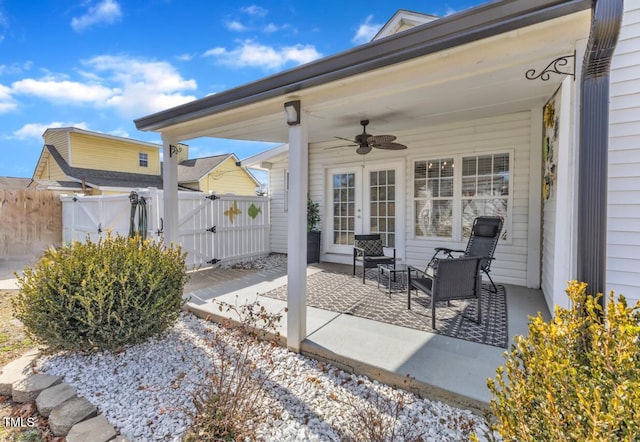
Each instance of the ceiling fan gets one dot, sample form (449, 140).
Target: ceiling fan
(366, 142)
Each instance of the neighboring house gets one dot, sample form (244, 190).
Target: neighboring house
(80, 161)
(485, 134)
(219, 174)
(11, 183)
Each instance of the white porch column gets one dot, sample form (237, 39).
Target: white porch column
(170, 191)
(297, 238)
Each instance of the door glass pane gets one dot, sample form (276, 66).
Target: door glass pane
(382, 220)
(343, 204)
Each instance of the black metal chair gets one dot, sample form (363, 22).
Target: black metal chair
(485, 234)
(368, 252)
(452, 279)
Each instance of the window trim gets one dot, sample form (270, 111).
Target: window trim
(456, 231)
(143, 157)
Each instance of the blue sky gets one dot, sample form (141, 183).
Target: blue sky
(100, 64)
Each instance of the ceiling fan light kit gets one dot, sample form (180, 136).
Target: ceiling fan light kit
(365, 142)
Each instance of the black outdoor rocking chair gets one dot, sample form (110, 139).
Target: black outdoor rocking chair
(368, 252)
(452, 279)
(485, 234)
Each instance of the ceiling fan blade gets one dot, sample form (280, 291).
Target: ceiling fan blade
(390, 146)
(347, 139)
(363, 150)
(340, 147)
(381, 139)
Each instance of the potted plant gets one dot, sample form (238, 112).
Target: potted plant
(313, 234)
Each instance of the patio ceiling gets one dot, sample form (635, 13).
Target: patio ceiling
(478, 79)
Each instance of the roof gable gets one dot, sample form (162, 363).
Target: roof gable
(194, 169)
(403, 20)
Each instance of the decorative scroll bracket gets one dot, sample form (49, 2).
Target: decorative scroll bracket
(555, 67)
(174, 149)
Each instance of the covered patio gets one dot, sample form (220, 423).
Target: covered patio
(433, 365)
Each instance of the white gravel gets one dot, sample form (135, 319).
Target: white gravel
(146, 390)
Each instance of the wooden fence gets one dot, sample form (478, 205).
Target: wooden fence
(30, 221)
(211, 229)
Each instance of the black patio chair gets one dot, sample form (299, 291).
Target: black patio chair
(485, 234)
(368, 252)
(452, 279)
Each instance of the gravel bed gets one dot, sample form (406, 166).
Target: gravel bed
(146, 391)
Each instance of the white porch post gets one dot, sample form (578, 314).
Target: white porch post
(296, 240)
(170, 191)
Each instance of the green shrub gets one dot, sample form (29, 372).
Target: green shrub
(101, 296)
(575, 378)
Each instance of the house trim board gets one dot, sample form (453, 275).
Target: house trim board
(534, 249)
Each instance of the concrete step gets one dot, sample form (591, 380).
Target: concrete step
(15, 371)
(54, 396)
(66, 415)
(121, 439)
(96, 429)
(27, 389)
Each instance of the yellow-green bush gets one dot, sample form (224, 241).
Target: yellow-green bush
(103, 295)
(574, 378)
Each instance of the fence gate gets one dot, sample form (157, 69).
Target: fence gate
(214, 228)
(211, 228)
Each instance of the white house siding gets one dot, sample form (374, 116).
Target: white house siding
(623, 244)
(510, 133)
(277, 196)
(496, 134)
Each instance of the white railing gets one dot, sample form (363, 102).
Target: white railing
(212, 228)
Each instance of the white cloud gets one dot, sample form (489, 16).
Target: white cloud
(255, 10)
(235, 26)
(143, 86)
(133, 87)
(105, 12)
(119, 133)
(15, 68)
(7, 103)
(252, 54)
(185, 57)
(366, 31)
(270, 28)
(63, 90)
(35, 130)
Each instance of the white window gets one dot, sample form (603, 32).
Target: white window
(485, 188)
(143, 159)
(448, 198)
(433, 193)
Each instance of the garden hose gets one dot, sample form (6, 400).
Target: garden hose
(139, 203)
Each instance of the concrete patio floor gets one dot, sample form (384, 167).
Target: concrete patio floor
(435, 366)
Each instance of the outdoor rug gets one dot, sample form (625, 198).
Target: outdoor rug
(342, 293)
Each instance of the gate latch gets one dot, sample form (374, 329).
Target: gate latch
(212, 229)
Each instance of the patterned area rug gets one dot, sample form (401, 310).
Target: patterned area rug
(343, 293)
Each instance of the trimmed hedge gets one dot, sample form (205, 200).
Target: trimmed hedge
(101, 296)
(575, 378)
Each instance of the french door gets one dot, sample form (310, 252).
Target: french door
(364, 199)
